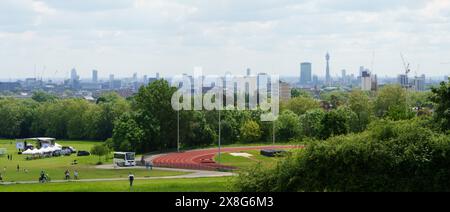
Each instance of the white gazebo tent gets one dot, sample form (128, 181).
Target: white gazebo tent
(27, 152)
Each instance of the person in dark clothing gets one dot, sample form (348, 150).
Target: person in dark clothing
(131, 178)
(18, 168)
(67, 175)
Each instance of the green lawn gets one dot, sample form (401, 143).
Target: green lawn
(56, 166)
(243, 162)
(161, 185)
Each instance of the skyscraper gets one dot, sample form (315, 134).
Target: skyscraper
(344, 76)
(328, 77)
(249, 72)
(94, 76)
(403, 80)
(366, 81)
(419, 83)
(305, 73)
(73, 75)
(74, 79)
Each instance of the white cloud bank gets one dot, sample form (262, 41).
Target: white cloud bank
(172, 36)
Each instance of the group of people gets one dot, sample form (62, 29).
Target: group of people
(67, 175)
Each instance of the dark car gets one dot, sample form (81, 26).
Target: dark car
(83, 153)
(273, 153)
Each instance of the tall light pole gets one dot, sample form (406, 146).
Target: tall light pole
(219, 133)
(178, 130)
(273, 132)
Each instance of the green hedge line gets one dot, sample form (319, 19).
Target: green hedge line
(390, 156)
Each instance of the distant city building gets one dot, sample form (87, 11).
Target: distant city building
(135, 77)
(94, 76)
(328, 76)
(90, 86)
(285, 91)
(315, 80)
(74, 78)
(157, 76)
(9, 86)
(402, 79)
(145, 79)
(249, 72)
(305, 73)
(369, 82)
(344, 76)
(419, 83)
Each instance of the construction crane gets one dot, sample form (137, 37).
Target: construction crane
(406, 65)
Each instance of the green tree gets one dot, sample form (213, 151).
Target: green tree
(155, 115)
(250, 132)
(441, 97)
(41, 96)
(311, 123)
(100, 150)
(296, 92)
(391, 102)
(128, 135)
(287, 126)
(338, 122)
(359, 102)
(300, 105)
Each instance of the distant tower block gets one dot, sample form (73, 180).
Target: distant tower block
(328, 77)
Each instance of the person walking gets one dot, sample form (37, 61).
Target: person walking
(131, 179)
(1, 177)
(67, 175)
(75, 175)
(18, 168)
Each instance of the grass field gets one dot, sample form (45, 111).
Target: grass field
(243, 162)
(56, 166)
(161, 185)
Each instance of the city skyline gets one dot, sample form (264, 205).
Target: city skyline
(48, 38)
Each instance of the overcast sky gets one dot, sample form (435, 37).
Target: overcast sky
(174, 36)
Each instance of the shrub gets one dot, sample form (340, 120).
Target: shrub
(391, 156)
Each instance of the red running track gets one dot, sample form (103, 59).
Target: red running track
(203, 159)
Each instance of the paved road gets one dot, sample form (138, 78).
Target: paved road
(189, 174)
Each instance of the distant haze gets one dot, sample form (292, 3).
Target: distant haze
(47, 38)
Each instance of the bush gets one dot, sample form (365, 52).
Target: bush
(391, 156)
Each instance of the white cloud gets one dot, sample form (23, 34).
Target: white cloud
(173, 35)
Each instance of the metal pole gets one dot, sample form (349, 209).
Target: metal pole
(219, 133)
(178, 134)
(273, 132)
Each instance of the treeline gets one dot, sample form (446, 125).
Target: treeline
(146, 122)
(46, 115)
(397, 152)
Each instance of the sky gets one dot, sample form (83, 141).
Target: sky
(47, 38)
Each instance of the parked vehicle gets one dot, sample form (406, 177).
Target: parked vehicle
(71, 149)
(83, 153)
